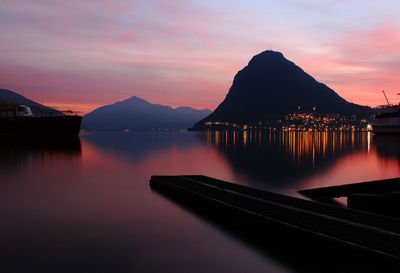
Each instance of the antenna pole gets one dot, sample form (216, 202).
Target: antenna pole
(386, 97)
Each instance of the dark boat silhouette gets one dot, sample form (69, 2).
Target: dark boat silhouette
(386, 119)
(19, 119)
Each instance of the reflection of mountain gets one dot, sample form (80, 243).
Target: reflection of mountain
(387, 146)
(21, 150)
(284, 157)
(139, 145)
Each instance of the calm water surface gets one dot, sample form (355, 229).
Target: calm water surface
(85, 205)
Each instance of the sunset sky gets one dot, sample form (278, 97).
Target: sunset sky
(82, 54)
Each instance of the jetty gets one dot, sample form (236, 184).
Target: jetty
(379, 196)
(376, 186)
(368, 232)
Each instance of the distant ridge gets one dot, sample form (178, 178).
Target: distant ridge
(11, 97)
(138, 114)
(271, 86)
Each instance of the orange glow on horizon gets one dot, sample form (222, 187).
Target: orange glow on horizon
(76, 108)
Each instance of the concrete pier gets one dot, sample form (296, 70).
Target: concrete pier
(368, 232)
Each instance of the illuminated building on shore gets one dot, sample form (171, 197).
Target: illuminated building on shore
(296, 122)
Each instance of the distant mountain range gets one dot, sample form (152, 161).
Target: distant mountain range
(11, 97)
(271, 86)
(138, 114)
(268, 88)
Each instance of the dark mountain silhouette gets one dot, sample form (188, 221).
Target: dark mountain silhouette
(11, 97)
(138, 114)
(271, 86)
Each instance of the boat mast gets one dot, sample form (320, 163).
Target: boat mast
(386, 97)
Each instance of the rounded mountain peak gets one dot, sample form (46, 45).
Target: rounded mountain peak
(267, 56)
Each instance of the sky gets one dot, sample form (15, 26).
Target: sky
(78, 55)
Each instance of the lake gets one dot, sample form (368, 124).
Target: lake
(84, 204)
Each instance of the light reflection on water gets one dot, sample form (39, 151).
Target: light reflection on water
(290, 161)
(85, 204)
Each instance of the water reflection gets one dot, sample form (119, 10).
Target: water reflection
(138, 146)
(19, 151)
(162, 153)
(387, 147)
(275, 161)
(86, 206)
(285, 157)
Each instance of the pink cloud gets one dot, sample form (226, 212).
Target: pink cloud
(372, 59)
(174, 52)
(74, 52)
(360, 64)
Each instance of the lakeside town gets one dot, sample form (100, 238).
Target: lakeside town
(311, 122)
